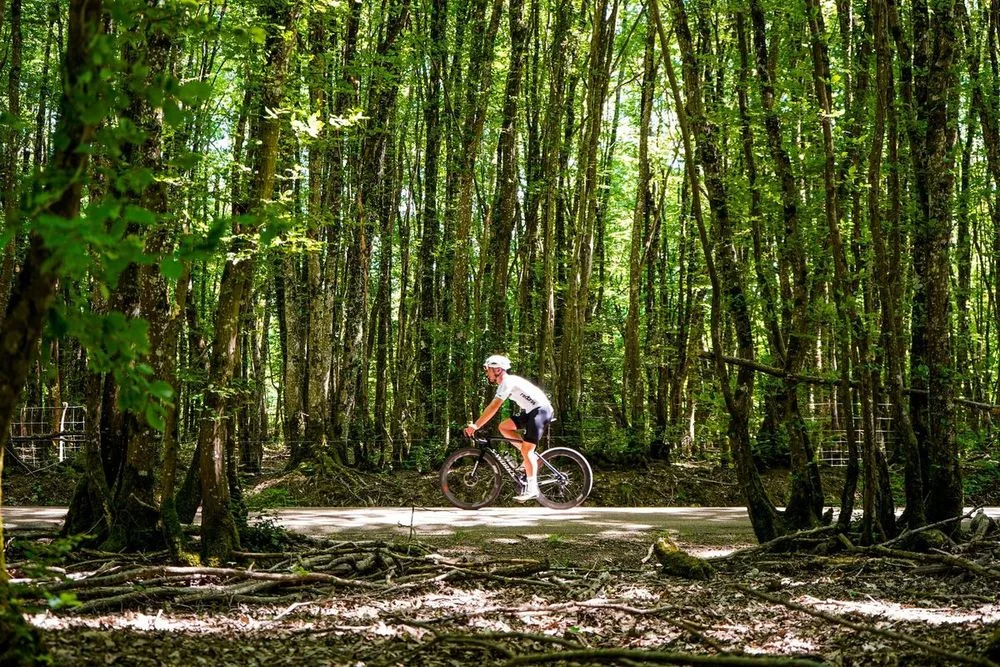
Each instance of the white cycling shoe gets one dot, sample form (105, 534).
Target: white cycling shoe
(530, 492)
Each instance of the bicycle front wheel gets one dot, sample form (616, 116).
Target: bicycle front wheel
(470, 480)
(564, 478)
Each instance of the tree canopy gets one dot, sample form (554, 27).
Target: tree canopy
(703, 227)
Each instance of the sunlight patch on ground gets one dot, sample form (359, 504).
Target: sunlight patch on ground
(638, 593)
(788, 643)
(267, 483)
(713, 552)
(771, 637)
(891, 611)
(614, 522)
(146, 622)
(349, 615)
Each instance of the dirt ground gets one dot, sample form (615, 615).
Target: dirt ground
(513, 600)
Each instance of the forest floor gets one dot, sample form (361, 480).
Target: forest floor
(563, 599)
(480, 599)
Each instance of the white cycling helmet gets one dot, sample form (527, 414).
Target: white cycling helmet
(497, 361)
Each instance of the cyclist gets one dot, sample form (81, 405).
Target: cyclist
(536, 413)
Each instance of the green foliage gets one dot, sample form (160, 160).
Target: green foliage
(264, 534)
(20, 642)
(208, 96)
(274, 496)
(982, 477)
(771, 451)
(43, 554)
(40, 563)
(63, 600)
(118, 345)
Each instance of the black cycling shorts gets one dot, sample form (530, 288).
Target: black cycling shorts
(533, 423)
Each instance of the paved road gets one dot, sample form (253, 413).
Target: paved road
(700, 525)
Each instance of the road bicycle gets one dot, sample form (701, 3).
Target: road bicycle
(472, 477)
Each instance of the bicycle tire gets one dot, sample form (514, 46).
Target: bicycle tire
(569, 484)
(469, 479)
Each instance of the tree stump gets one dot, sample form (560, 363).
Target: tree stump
(678, 563)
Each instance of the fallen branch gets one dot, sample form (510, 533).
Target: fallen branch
(575, 607)
(781, 540)
(890, 634)
(829, 380)
(655, 657)
(906, 534)
(942, 558)
(141, 574)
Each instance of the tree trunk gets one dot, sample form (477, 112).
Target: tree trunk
(219, 535)
(727, 281)
(35, 287)
(374, 193)
(889, 276)
(427, 339)
(497, 268)
(632, 392)
(319, 261)
(570, 387)
(9, 177)
(474, 107)
(805, 504)
(933, 241)
(135, 514)
(551, 149)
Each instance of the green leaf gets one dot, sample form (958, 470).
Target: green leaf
(154, 416)
(63, 600)
(161, 390)
(194, 92)
(139, 215)
(171, 268)
(58, 323)
(172, 113)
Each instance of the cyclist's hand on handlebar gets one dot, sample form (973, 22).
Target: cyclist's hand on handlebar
(470, 430)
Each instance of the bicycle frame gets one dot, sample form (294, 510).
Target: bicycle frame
(489, 447)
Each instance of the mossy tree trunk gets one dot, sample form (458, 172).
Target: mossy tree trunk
(36, 283)
(219, 535)
(723, 264)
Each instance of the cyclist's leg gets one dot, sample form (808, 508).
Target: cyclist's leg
(534, 425)
(509, 430)
(526, 444)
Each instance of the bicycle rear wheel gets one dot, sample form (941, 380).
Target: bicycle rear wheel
(470, 480)
(564, 478)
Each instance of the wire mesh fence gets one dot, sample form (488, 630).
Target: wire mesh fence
(831, 435)
(41, 436)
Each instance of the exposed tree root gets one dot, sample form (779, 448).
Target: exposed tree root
(116, 581)
(871, 629)
(616, 655)
(940, 558)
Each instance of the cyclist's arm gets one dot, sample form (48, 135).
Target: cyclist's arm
(488, 413)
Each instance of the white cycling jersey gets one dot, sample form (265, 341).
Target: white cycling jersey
(524, 393)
